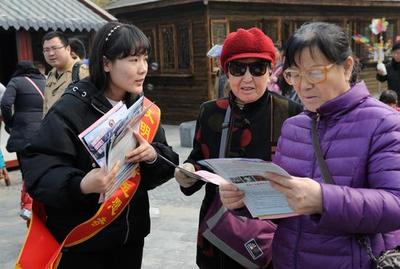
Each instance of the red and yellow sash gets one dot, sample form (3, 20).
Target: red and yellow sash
(42, 251)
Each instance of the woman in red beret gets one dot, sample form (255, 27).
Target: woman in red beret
(253, 128)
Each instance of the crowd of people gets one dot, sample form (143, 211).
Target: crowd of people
(301, 107)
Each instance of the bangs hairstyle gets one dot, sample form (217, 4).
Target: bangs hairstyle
(115, 43)
(53, 34)
(328, 38)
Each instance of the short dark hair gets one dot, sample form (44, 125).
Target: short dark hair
(396, 46)
(115, 41)
(329, 38)
(53, 34)
(78, 47)
(388, 97)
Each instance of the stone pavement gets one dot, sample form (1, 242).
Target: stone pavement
(171, 243)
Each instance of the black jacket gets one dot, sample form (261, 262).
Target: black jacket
(22, 109)
(392, 76)
(56, 161)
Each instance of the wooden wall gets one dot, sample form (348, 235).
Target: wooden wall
(347, 17)
(179, 95)
(368, 75)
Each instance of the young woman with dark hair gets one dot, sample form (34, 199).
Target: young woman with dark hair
(68, 181)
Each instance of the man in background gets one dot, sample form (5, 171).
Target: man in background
(78, 50)
(391, 71)
(57, 53)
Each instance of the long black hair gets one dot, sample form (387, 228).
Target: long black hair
(114, 41)
(25, 68)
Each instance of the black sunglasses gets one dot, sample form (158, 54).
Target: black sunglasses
(238, 69)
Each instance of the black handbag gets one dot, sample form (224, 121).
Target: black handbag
(386, 259)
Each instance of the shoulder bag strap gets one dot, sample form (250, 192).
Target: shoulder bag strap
(75, 72)
(320, 158)
(224, 135)
(361, 239)
(36, 87)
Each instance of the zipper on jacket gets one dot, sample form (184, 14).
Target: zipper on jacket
(315, 157)
(300, 223)
(127, 224)
(129, 206)
(296, 248)
(97, 109)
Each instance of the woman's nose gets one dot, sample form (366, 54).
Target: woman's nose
(143, 66)
(304, 83)
(247, 76)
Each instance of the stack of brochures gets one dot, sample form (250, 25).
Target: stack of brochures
(249, 175)
(111, 137)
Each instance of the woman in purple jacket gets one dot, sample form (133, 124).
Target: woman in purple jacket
(360, 141)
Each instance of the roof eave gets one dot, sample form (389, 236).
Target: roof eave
(99, 11)
(152, 5)
(344, 3)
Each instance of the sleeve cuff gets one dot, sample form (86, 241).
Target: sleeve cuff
(153, 161)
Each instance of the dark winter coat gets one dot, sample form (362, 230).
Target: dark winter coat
(251, 136)
(27, 104)
(360, 141)
(56, 161)
(392, 77)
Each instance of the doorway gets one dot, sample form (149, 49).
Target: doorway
(8, 55)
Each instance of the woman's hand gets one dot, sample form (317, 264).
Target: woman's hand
(304, 195)
(184, 180)
(3, 172)
(143, 153)
(98, 180)
(231, 196)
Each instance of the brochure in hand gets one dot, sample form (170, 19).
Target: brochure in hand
(248, 175)
(111, 137)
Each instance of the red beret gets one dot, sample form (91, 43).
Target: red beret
(251, 43)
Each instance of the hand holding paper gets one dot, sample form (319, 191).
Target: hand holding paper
(304, 195)
(231, 196)
(111, 140)
(185, 179)
(144, 152)
(98, 180)
(248, 175)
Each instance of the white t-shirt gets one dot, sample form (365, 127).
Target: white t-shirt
(2, 90)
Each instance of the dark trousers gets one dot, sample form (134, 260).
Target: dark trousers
(128, 256)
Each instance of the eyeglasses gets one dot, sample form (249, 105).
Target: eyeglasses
(313, 75)
(54, 48)
(238, 69)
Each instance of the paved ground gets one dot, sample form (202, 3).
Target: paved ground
(170, 245)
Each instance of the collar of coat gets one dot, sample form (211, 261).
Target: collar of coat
(88, 93)
(344, 102)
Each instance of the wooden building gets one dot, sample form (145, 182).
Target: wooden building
(24, 22)
(22, 26)
(182, 31)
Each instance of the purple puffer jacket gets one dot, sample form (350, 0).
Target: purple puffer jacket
(360, 141)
